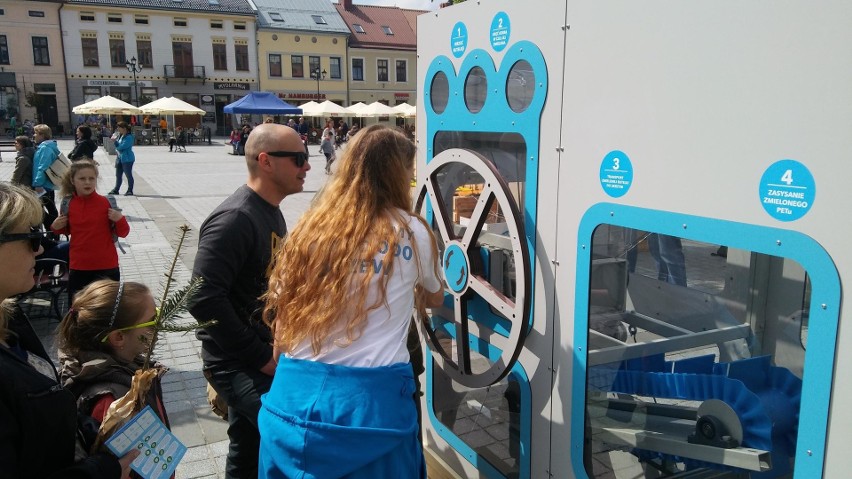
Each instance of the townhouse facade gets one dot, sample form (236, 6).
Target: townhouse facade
(382, 53)
(201, 51)
(302, 52)
(32, 72)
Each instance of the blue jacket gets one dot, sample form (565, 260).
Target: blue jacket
(340, 422)
(45, 155)
(124, 147)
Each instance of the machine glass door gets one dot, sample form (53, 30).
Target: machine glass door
(476, 393)
(696, 353)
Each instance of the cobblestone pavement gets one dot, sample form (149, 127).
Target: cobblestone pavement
(173, 189)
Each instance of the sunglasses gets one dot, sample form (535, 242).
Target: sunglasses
(128, 328)
(34, 237)
(299, 157)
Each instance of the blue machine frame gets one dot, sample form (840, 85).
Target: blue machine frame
(824, 311)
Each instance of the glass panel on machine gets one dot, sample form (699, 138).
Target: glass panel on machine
(439, 93)
(520, 86)
(695, 358)
(486, 419)
(460, 188)
(475, 89)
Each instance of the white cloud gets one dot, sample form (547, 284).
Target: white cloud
(412, 4)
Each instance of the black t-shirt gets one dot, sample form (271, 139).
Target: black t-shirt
(236, 245)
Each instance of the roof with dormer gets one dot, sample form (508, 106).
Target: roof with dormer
(372, 20)
(299, 15)
(241, 7)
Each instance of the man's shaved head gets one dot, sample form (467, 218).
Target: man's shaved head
(271, 137)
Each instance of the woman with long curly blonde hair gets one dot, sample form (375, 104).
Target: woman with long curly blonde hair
(340, 301)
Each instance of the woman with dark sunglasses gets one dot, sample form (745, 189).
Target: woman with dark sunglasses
(38, 418)
(340, 301)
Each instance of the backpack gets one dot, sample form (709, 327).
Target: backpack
(114, 205)
(58, 168)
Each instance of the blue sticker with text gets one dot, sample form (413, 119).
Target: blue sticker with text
(458, 40)
(500, 31)
(787, 190)
(616, 174)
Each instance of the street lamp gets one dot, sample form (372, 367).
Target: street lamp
(134, 68)
(318, 75)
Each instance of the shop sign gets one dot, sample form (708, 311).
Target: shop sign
(231, 86)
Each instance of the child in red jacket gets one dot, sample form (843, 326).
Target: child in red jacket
(91, 223)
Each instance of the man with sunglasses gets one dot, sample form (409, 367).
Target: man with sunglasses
(236, 245)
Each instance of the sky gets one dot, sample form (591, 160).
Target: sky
(412, 4)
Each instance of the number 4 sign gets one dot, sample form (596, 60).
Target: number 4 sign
(787, 190)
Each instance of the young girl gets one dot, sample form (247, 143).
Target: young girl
(90, 222)
(103, 340)
(342, 325)
(327, 148)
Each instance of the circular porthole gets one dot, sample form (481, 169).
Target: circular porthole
(313, 39)
(439, 92)
(520, 86)
(475, 89)
(334, 41)
(298, 39)
(274, 36)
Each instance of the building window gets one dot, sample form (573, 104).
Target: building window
(239, 25)
(114, 17)
(275, 65)
(313, 64)
(144, 53)
(4, 50)
(44, 87)
(387, 30)
(87, 16)
(334, 67)
(41, 54)
(358, 69)
(381, 70)
(116, 52)
(241, 57)
(180, 22)
(297, 66)
(147, 95)
(318, 19)
(91, 93)
(401, 71)
(141, 19)
(220, 56)
(276, 17)
(182, 56)
(358, 28)
(216, 24)
(213, 2)
(90, 52)
(36, 13)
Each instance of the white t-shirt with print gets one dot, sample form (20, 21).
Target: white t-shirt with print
(383, 341)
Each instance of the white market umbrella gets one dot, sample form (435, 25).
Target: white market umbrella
(405, 110)
(378, 109)
(170, 106)
(326, 108)
(106, 105)
(309, 106)
(356, 109)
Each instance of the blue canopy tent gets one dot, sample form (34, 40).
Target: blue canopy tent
(259, 102)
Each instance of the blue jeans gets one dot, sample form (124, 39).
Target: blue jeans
(241, 389)
(668, 254)
(123, 169)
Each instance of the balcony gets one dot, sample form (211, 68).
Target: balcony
(185, 73)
